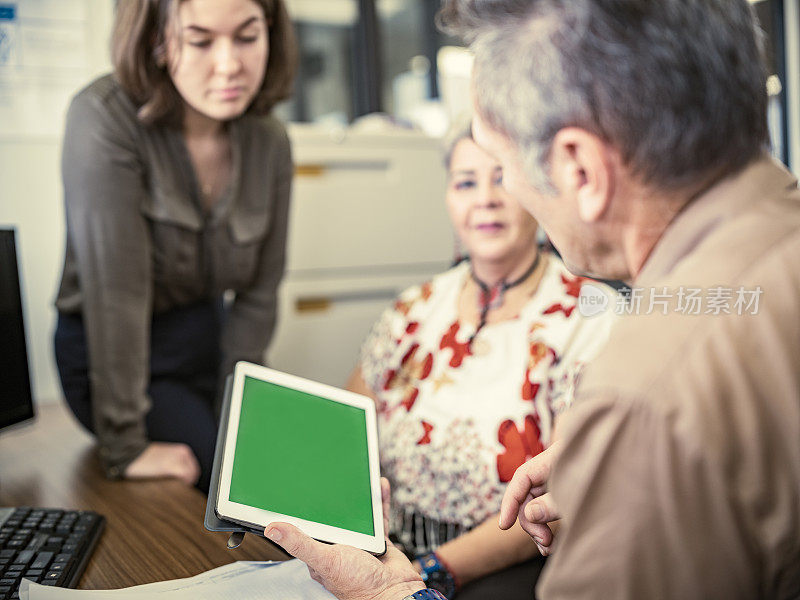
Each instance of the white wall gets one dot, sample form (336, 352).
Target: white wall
(58, 46)
(32, 203)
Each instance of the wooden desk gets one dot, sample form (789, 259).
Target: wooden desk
(154, 529)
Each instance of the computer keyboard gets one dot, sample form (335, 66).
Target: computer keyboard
(46, 545)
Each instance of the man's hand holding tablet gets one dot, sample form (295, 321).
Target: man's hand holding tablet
(366, 577)
(304, 453)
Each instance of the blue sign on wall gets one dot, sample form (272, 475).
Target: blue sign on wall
(8, 12)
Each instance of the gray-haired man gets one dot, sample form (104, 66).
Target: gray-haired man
(635, 132)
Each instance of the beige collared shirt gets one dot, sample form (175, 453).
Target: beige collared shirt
(680, 476)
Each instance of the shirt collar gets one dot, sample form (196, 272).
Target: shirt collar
(764, 177)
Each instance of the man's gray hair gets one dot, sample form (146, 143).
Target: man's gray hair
(678, 87)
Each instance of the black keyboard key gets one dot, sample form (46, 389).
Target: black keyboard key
(57, 576)
(54, 547)
(24, 557)
(33, 574)
(69, 548)
(37, 541)
(42, 560)
(4, 589)
(8, 553)
(63, 558)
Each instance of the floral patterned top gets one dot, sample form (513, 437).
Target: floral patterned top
(456, 420)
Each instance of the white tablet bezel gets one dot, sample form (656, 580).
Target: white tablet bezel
(260, 518)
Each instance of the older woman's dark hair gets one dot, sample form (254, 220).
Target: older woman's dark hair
(138, 53)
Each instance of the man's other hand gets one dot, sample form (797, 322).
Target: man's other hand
(526, 499)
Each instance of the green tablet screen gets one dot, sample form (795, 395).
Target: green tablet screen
(302, 455)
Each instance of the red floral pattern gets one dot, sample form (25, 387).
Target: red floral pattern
(573, 285)
(519, 445)
(411, 372)
(558, 307)
(460, 349)
(426, 437)
(530, 388)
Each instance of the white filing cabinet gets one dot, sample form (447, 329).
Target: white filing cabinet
(367, 220)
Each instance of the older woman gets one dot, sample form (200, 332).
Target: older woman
(468, 371)
(176, 184)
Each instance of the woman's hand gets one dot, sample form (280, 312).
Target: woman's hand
(165, 459)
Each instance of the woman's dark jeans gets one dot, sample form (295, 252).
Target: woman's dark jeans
(184, 373)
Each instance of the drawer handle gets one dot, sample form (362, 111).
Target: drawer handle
(310, 304)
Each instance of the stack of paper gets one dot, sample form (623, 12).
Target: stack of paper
(241, 580)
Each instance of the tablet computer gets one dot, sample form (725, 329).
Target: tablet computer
(303, 453)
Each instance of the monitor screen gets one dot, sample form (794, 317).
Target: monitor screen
(314, 466)
(16, 401)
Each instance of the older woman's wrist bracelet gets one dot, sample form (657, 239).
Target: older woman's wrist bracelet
(436, 575)
(426, 594)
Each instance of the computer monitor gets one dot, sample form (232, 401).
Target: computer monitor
(16, 398)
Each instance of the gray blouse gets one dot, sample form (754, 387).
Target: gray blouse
(139, 243)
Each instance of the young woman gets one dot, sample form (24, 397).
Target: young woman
(177, 184)
(468, 371)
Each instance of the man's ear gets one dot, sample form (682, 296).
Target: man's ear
(582, 167)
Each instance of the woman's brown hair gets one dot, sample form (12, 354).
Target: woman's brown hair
(138, 53)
